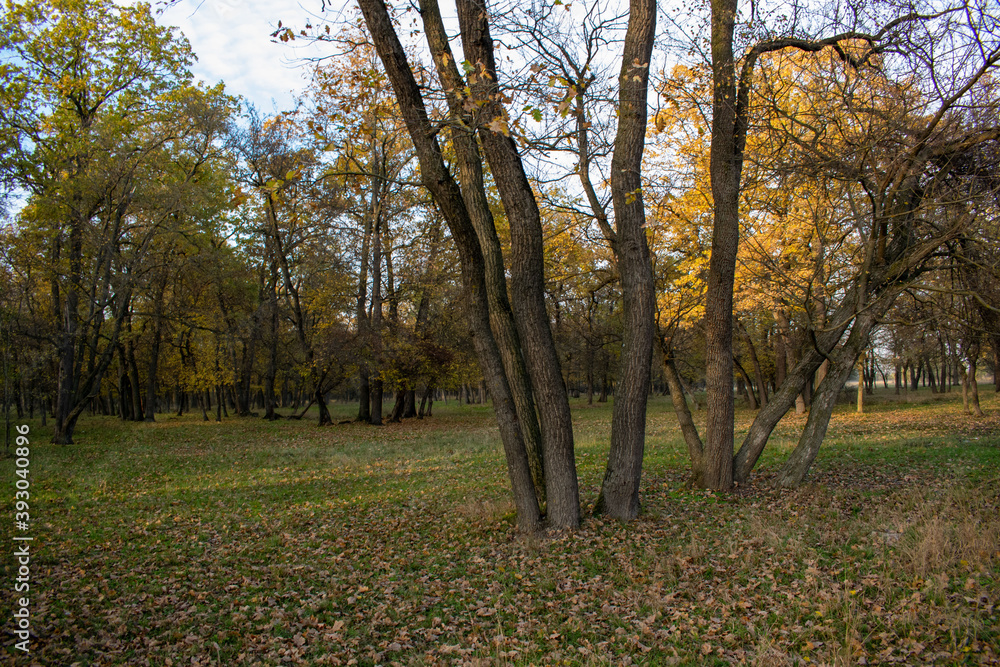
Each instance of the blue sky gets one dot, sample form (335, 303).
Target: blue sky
(232, 39)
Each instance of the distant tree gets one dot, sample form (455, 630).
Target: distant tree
(93, 95)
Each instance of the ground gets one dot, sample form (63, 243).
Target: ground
(194, 543)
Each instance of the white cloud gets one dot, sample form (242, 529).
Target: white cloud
(232, 40)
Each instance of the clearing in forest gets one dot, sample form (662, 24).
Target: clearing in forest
(249, 542)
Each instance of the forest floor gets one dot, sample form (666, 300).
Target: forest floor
(185, 542)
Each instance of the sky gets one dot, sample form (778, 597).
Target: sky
(232, 39)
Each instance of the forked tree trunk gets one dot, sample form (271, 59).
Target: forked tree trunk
(448, 196)
(527, 271)
(469, 162)
(784, 397)
(794, 470)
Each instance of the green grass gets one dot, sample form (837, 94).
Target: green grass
(247, 542)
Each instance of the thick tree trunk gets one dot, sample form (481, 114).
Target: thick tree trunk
(448, 196)
(396, 415)
(726, 166)
(324, 414)
(426, 402)
(410, 404)
(527, 271)
(619, 496)
(970, 387)
(470, 169)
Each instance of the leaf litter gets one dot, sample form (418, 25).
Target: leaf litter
(360, 546)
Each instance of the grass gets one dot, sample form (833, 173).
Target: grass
(246, 542)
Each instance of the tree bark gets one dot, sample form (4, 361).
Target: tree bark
(784, 397)
(619, 496)
(527, 271)
(725, 172)
(844, 360)
(470, 170)
(695, 447)
(448, 196)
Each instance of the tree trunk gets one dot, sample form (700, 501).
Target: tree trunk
(426, 402)
(448, 196)
(970, 387)
(695, 447)
(324, 414)
(398, 407)
(794, 471)
(527, 271)
(470, 168)
(931, 380)
(726, 167)
(784, 397)
(410, 404)
(619, 497)
(364, 386)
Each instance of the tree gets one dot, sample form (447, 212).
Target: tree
(909, 154)
(449, 197)
(861, 49)
(553, 55)
(93, 93)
